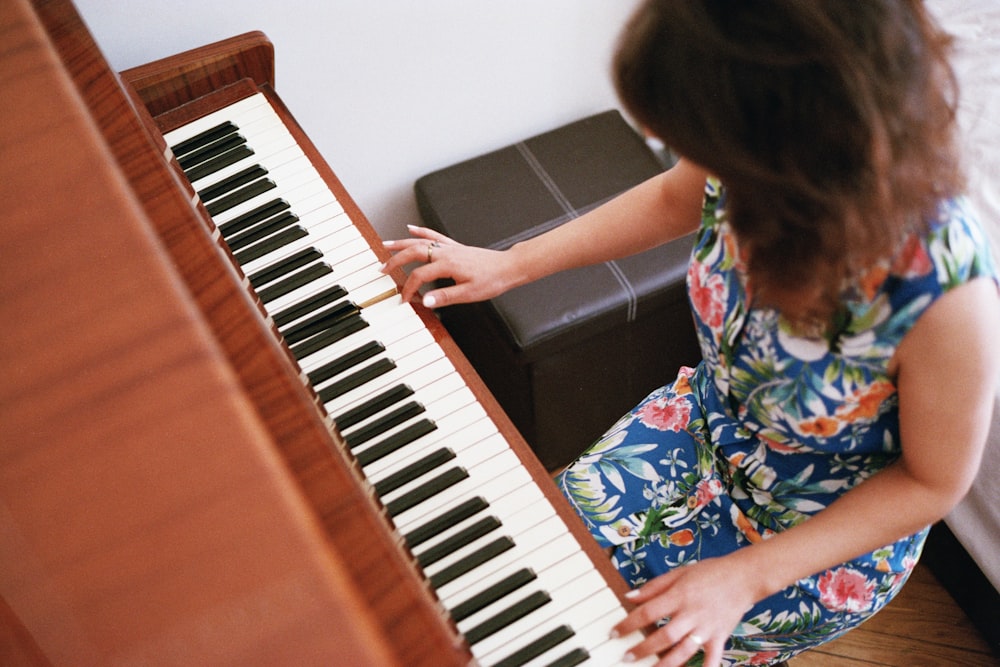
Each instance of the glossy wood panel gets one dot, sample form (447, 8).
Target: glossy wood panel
(145, 516)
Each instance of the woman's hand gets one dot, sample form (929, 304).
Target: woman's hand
(704, 602)
(479, 274)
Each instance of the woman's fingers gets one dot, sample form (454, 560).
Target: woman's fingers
(429, 234)
(477, 273)
(713, 653)
(652, 604)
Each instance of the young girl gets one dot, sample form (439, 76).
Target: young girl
(778, 494)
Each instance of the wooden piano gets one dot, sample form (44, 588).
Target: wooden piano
(223, 438)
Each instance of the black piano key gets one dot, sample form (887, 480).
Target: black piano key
(354, 380)
(345, 362)
(488, 596)
(414, 470)
(373, 406)
(328, 337)
(270, 244)
(396, 441)
(388, 421)
(431, 488)
(460, 539)
(252, 217)
(246, 193)
(515, 612)
(210, 150)
(295, 281)
(325, 319)
(203, 138)
(261, 230)
(544, 643)
(472, 561)
(577, 656)
(232, 183)
(283, 267)
(217, 163)
(443, 522)
(302, 308)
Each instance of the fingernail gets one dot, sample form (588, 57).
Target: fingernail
(412, 227)
(429, 301)
(632, 594)
(388, 243)
(382, 268)
(628, 657)
(614, 634)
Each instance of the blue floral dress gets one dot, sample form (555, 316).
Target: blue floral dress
(768, 430)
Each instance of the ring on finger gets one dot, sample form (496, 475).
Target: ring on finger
(696, 639)
(430, 250)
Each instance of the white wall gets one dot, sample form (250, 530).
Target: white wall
(392, 89)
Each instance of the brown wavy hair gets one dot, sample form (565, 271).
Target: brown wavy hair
(831, 124)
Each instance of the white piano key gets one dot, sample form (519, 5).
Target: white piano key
(457, 431)
(291, 189)
(550, 579)
(538, 547)
(472, 455)
(440, 398)
(505, 476)
(449, 434)
(407, 370)
(339, 245)
(607, 651)
(243, 108)
(401, 350)
(472, 434)
(493, 480)
(515, 523)
(309, 290)
(438, 409)
(305, 197)
(366, 287)
(385, 327)
(450, 389)
(343, 243)
(291, 174)
(272, 151)
(323, 218)
(571, 604)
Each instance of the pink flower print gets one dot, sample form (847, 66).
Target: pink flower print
(763, 658)
(708, 295)
(705, 491)
(845, 589)
(913, 261)
(666, 414)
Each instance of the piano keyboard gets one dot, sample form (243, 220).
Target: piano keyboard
(491, 545)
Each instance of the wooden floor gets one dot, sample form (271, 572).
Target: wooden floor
(922, 627)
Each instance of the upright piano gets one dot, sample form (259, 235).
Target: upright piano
(223, 437)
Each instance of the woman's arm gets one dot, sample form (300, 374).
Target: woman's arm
(659, 210)
(947, 370)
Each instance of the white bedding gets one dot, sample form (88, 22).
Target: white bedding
(976, 25)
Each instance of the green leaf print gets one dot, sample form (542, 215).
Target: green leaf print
(587, 493)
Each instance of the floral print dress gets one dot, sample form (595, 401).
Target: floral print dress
(768, 430)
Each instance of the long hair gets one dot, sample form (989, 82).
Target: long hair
(831, 123)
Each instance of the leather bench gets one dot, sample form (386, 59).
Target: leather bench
(567, 355)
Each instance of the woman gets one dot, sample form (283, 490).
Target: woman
(778, 494)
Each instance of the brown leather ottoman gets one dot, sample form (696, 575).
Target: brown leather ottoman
(568, 355)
